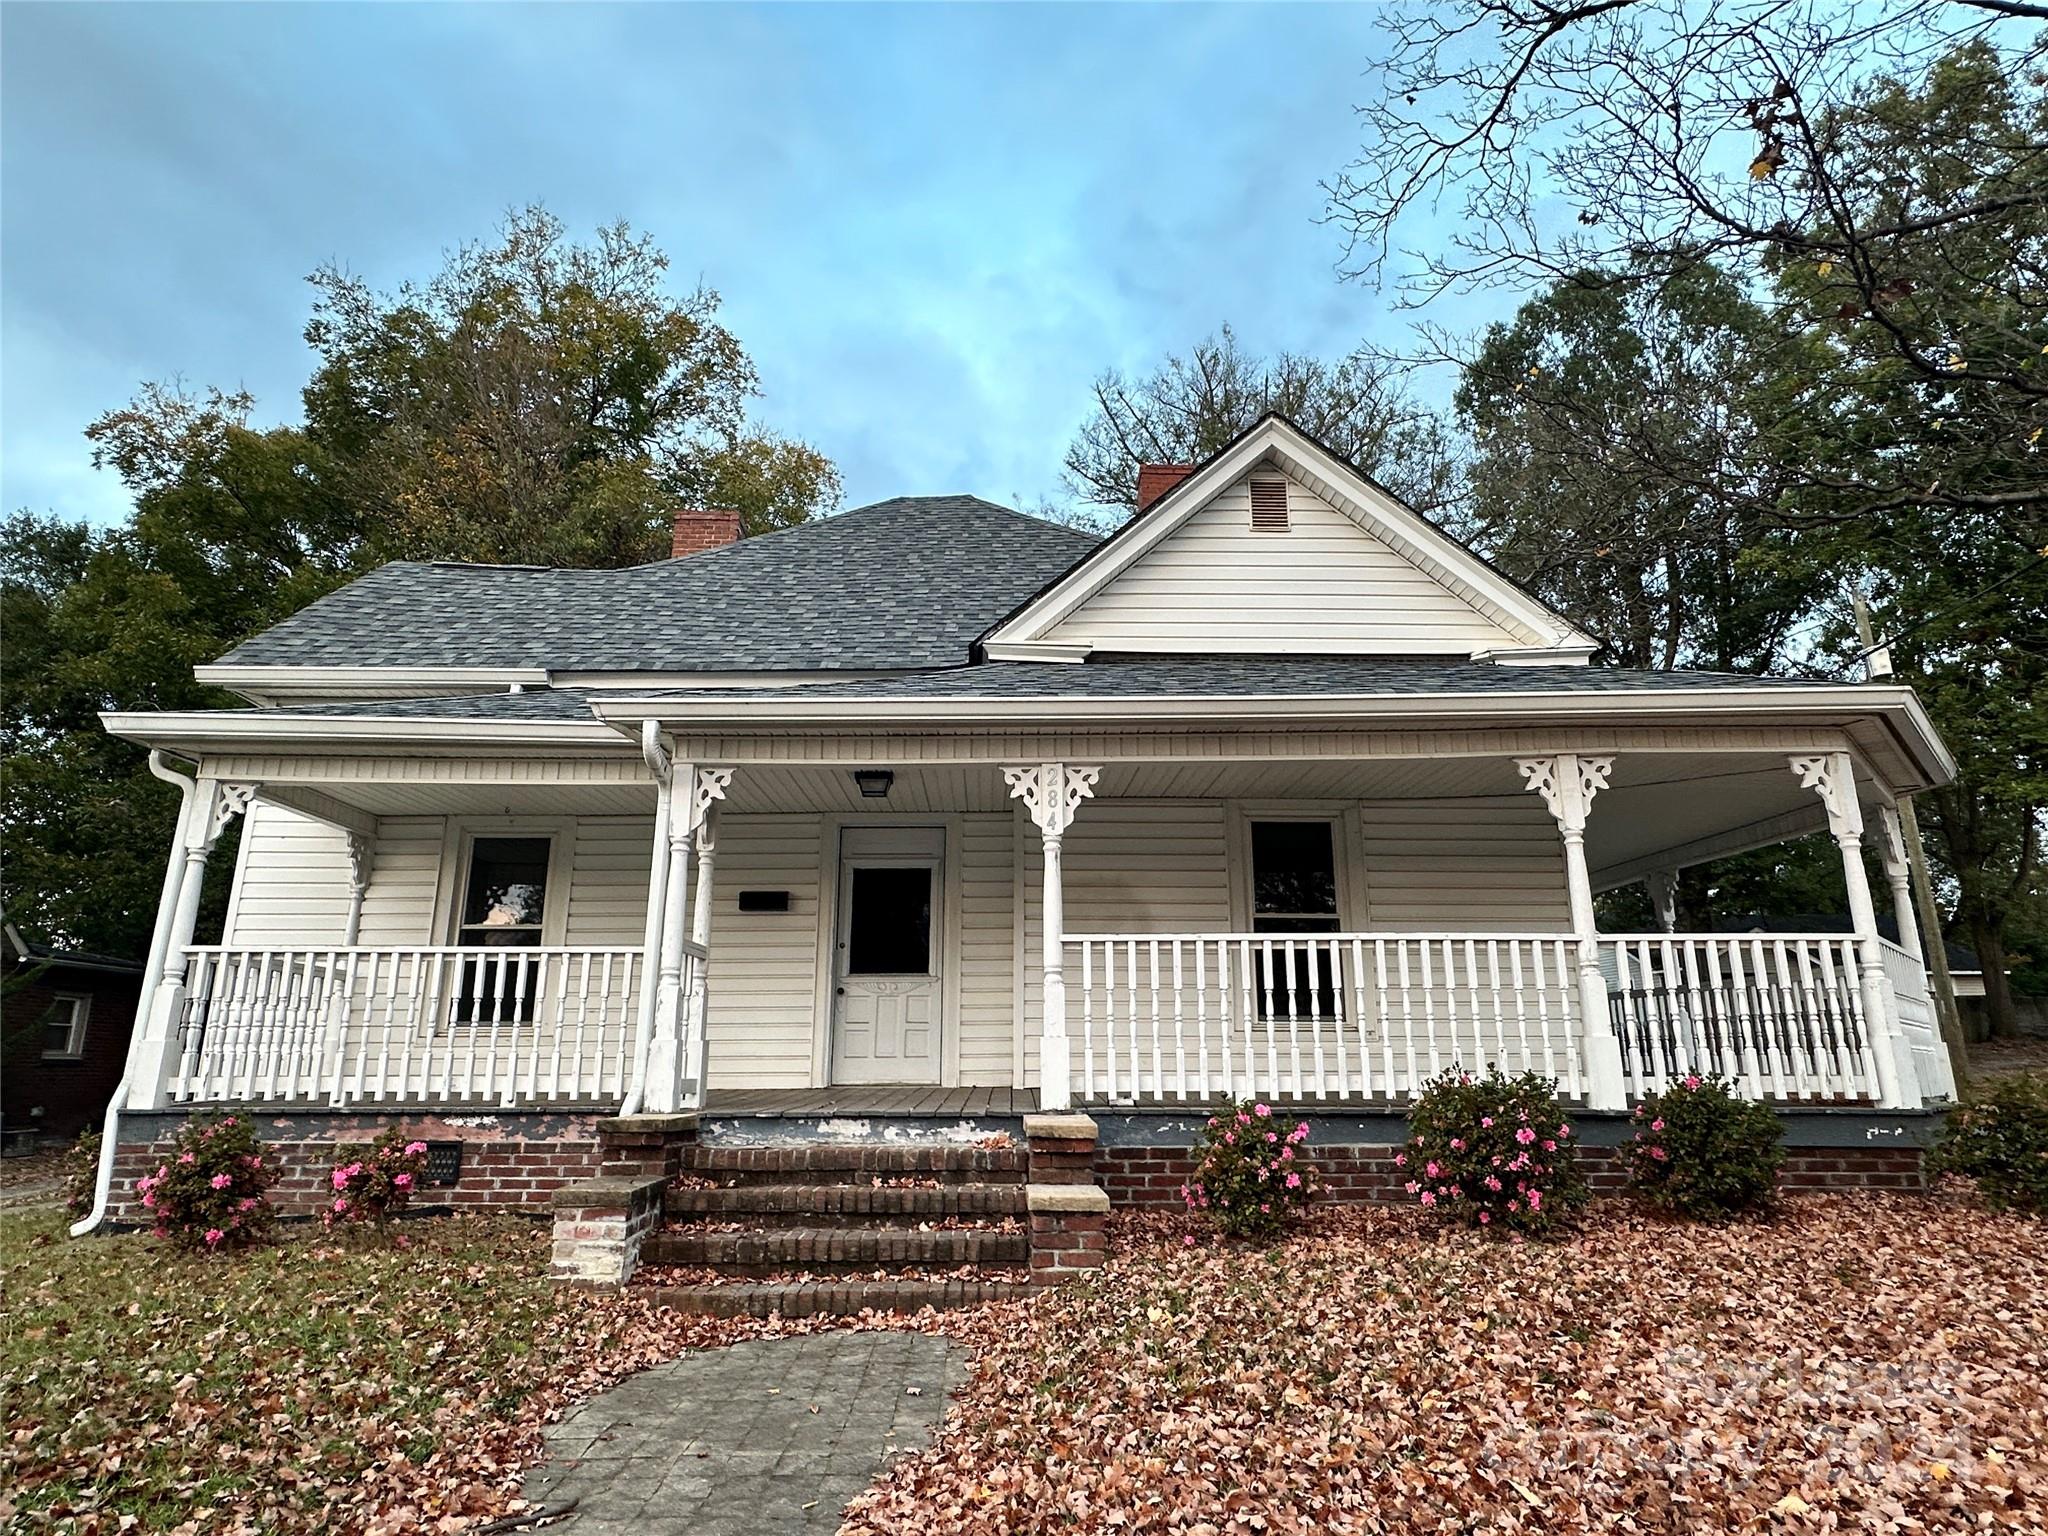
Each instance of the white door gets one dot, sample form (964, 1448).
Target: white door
(886, 956)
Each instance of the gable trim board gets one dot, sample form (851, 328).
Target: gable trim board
(1524, 622)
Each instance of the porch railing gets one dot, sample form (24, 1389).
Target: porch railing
(437, 1023)
(1781, 1014)
(1315, 1016)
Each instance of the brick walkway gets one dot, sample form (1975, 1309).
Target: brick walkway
(725, 1442)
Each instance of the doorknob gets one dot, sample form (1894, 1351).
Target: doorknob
(840, 990)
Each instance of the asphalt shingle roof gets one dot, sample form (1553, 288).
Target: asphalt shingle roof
(1197, 676)
(910, 582)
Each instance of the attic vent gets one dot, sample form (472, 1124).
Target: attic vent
(1269, 506)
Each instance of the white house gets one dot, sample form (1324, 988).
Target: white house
(1278, 789)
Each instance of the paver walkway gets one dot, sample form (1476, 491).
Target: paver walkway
(726, 1441)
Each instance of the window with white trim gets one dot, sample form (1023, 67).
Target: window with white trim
(503, 906)
(1294, 890)
(64, 1027)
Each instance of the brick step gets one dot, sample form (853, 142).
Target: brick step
(835, 1298)
(857, 1164)
(802, 1205)
(776, 1250)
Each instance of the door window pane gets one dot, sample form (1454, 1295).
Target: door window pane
(889, 930)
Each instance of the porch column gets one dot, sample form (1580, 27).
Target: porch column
(361, 852)
(1832, 776)
(691, 792)
(698, 1004)
(1898, 875)
(1052, 792)
(1568, 783)
(214, 804)
(1662, 884)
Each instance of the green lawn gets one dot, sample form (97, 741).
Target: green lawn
(309, 1385)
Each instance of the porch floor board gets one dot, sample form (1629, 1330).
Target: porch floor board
(919, 1100)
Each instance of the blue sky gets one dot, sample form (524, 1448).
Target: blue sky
(932, 227)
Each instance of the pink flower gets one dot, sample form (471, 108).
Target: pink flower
(1287, 1154)
(341, 1206)
(419, 1148)
(1656, 1125)
(402, 1180)
(1294, 1181)
(1457, 1143)
(221, 1180)
(1659, 1153)
(1692, 1082)
(1487, 1121)
(1431, 1170)
(1411, 1186)
(1429, 1197)
(149, 1202)
(186, 1157)
(1535, 1199)
(1272, 1135)
(214, 1236)
(1400, 1159)
(1188, 1241)
(340, 1178)
(1263, 1111)
(246, 1203)
(1485, 1218)
(1550, 1146)
(1301, 1131)
(1230, 1138)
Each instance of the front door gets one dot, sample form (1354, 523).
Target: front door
(885, 986)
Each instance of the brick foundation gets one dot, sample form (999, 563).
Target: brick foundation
(510, 1161)
(1069, 1211)
(1152, 1176)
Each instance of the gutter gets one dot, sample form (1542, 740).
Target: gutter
(159, 944)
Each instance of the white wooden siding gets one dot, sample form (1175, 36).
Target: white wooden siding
(1460, 866)
(1325, 586)
(291, 881)
(986, 1014)
(764, 975)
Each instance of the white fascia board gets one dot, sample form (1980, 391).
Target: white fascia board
(218, 730)
(1039, 650)
(293, 679)
(1898, 706)
(1373, 509)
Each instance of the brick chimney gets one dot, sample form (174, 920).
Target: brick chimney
(702, 528)
(1155, 480)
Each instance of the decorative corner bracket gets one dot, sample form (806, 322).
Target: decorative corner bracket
(361, 851)
(1051, 792)
(1831, 776)
(232, 800)
(1567, 783)
(705, 789)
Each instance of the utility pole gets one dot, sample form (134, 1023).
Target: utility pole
(1877, 662)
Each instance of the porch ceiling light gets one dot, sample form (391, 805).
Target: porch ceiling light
(874, 782)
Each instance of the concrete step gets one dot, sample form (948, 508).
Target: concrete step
(771, 1251)
(857, 1163)
(835, 1298)
(802, 1205)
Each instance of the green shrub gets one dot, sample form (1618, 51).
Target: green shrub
(1250, 1175)
(212, 1191)
(371, 1185)
(1492, 1152)
(1999, 1137)
(81, 1174)
(1700, 1151)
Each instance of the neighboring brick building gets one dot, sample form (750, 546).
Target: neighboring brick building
(65, 1018)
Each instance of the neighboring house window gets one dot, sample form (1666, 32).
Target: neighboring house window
(1294, 890)
(504, 899)
(64, 1028)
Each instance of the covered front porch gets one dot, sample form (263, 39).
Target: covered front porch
(959, 927)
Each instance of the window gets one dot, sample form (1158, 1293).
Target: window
(64, 1028)
(504, 898)
(1294, 890)
(889, 930)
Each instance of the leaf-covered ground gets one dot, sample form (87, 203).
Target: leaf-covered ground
(308, 1386)
(1861, 1363)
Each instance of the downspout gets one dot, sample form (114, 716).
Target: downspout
(152, 974)
(657, 898)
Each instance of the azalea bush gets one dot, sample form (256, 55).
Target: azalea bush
(2000, 1139)
(213, 1189)
(1699, 1150)
(370, 1186)
(1492, 1151)
(1250, 1171)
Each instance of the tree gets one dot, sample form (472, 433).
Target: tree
(1607, 426)
(541, 401)
(1895, 153)
(1192, 405)
(233, 529)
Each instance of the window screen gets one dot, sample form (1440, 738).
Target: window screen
(889, 930)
